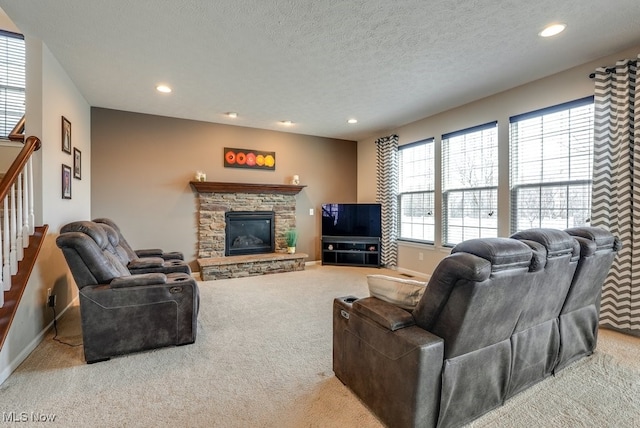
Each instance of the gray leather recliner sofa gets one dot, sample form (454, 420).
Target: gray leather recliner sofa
(123, 313)
(134, 263)
(146, 252)
(497, 316)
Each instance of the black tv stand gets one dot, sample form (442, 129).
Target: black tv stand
(351, 251)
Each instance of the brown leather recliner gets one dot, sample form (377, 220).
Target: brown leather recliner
(485, 309)
(123, 313)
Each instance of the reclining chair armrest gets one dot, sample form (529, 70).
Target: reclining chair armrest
(383, 313)
(147, 262)
(172, 255)
(139, 280)
(397, 374)
(156, 252)
(149, 252)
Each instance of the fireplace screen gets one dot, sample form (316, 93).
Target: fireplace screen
(249, 232)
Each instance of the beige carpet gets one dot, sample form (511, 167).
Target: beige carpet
(263, 359)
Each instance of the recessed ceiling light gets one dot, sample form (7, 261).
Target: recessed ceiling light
(352, 121)
(163, 88)
(552, 30)
(286, 122)
(232, 114)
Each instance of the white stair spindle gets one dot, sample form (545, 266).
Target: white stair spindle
(6, 264)
(19, 247)
(13, 255)
(32, 218)
(25, 208)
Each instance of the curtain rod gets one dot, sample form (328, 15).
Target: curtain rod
(612, 69)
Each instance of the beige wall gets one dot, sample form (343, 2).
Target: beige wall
(50, 94)
(8, 152)
(566, 86)
(142, 165)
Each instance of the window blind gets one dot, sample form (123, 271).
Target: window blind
(416, 184)
(551, 166)
(12, 81)
(470, 183)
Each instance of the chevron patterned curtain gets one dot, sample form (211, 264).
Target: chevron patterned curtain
(616, 188)
(387, 196)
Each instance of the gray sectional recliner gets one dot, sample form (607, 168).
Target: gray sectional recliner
(147, 252)
(497, 316)
(123, 312)
(135, 263)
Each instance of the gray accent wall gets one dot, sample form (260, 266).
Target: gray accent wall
(142, 165)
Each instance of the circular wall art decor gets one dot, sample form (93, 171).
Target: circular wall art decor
(247, 158)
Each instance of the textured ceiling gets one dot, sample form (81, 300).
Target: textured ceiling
(316, 62)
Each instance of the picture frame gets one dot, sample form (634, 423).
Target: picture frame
(249, 158)
(66, 181)
(77, 163)
(66, 135)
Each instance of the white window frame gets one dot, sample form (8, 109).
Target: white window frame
(541, 171)
(470, 177)
(12, 81)
(416, 186)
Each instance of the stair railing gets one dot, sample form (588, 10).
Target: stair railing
(16, 207)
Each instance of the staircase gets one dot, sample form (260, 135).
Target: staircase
(20, 239)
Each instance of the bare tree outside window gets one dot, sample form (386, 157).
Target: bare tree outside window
(470, 184)
(551, 157)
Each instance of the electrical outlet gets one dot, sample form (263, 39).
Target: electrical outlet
(52, 301)
(420, 256)
(310, 211)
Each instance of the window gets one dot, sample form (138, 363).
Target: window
(12, 81)
(470, 184)
(416, 186)
(551, 157)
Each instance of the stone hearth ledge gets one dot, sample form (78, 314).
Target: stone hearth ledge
(213, 268)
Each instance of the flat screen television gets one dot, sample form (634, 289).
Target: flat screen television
(351, 220)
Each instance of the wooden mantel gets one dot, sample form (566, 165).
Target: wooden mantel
(219, 187)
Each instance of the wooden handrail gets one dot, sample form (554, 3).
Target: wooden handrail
(11, 176)
(17, 133)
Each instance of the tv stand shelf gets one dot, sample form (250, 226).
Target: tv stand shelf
(351, 251)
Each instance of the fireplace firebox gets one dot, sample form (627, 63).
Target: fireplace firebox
(249, 232)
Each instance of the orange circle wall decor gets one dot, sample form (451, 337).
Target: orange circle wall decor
(249, 158)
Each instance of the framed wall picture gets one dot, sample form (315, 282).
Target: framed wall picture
(77, 164)
(249, 158)
(66, 135)
(66, 181)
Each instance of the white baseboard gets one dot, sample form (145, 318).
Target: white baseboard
(32, 345)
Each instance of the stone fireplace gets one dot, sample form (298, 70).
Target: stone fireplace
(217, 200)
(249, 232)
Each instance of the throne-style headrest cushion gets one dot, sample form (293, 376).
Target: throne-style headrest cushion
(112, 235)
(557, 242)
(502, 253)
(602, 238)
(89, 228)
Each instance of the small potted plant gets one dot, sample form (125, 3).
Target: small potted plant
(291, 236)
